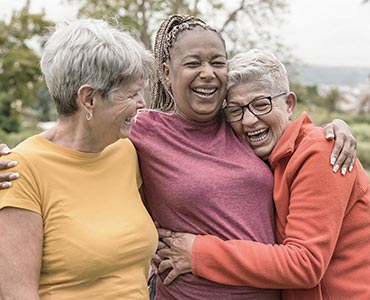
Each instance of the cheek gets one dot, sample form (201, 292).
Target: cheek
(238, 128)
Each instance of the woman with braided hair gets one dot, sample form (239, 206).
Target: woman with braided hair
(194, 167)
(198, 175)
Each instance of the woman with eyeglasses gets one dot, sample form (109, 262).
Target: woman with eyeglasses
(198, 176)
(322, 218)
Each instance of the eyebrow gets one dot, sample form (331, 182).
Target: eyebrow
(197, 56)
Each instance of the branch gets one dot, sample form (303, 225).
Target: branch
(232, 16)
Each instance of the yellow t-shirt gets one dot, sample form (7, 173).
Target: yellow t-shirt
(98, 237)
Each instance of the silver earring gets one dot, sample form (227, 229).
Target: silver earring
(88, 116)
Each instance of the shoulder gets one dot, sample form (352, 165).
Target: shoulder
(146, 122)
(27, 150)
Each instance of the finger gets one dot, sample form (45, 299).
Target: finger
(345, 156)
(4, 149)
(164, 265)
(5, 185)
(164, 253)
(161, 245)
(337, 149)
(329, 132)
(156, 260)
(171, 277)
(168, 241)
(352, 164)
(6, 164)
(346, 165)
(6, 178)
(154, 268)
(164, 232)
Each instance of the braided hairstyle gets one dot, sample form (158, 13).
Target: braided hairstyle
(165, 39)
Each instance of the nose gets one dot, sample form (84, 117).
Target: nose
(140, 103)
(248, 118)
(207, 71)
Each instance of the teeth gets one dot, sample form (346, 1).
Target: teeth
(251, 133)
(255, 136)
(205, 91)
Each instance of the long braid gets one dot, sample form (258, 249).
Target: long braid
(165, 39)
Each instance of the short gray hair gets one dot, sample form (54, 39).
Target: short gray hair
(259, 67)
(91, 52)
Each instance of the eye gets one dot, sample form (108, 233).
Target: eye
(233, 110)
(219, 64)
(261, 104)
(192, 64)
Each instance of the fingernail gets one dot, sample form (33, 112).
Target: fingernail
(350, 168)
(336, 168)
(330, 136)
(6, 184)
(12, 164)
(5, 150)
(14, 176)
(343, 171)
(332, 160)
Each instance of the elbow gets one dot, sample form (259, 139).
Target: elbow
(307, 278)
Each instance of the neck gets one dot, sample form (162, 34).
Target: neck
(74, 133)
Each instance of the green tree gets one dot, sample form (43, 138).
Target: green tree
(332, 99)
(19, 62)
(20, 76)
(245, 24)
(9, 114)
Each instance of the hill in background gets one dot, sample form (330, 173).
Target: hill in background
(334, 76)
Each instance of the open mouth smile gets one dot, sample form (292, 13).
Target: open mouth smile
(204, 91)
(258, 135)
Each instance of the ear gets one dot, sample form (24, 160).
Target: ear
(85, 96)
(166, 74)
(291, 101)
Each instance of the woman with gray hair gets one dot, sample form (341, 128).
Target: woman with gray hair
(73, 226)
(322, 218)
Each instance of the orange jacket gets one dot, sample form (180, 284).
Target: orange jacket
(322, 222)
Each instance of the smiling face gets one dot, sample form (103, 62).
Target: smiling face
(262, 132)
(114, 117)
(197, 74)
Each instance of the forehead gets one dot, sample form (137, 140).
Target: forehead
(131, 86)
(243, 93)
(197, 39)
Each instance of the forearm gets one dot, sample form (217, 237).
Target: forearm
(248, 263)
(20, 251)
(308, 239)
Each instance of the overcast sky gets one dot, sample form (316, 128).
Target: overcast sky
(320, 32)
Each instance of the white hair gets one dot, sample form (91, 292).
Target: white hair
(91, 52)
(258, 67)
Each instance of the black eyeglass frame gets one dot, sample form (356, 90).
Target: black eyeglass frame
(243, 107)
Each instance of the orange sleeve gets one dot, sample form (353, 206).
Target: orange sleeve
(318, 200)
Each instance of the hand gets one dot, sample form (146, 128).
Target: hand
(177, 256)
(156, 259)
(344, 153)
(5, 178)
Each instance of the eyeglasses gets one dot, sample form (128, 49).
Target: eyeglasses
(258, 107)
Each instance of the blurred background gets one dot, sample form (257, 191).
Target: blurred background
(325, 45)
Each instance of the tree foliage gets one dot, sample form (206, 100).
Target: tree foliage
(20, 76)
(19, 62)
(245, 24)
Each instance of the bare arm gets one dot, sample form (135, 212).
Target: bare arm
(21, 236)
